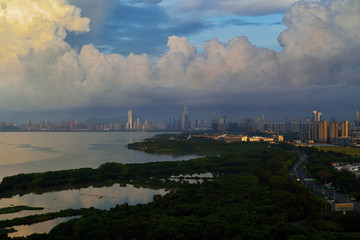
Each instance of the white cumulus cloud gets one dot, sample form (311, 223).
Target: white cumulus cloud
(321, 48)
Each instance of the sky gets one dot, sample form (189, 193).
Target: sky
(89, 58)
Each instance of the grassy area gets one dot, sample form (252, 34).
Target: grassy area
(15, 209)
(353, 151)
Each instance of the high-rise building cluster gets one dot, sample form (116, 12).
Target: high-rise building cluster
(137, 125)
(343, 132)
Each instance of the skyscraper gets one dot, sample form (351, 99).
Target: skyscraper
(345, 131)
(334, 130)
(357, 118)
(138, 126)
(129, 124)
(185, 120)
(319, 116)
(315, 115)
(323, 131)
(319, 131)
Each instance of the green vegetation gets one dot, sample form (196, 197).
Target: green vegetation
(233, 160)
(251, 197)
(336, 222)
(44, 217)
(5, 231)
(179, 145)
(18, 209)
(319, 166)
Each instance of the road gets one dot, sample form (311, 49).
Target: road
(297, 173)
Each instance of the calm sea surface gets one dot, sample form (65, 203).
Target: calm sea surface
(27, 152)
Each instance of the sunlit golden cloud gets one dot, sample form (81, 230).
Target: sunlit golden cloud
(36, 25)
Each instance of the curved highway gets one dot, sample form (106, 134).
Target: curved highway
(297, 173)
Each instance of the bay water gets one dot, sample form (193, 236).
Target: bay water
(28, 152)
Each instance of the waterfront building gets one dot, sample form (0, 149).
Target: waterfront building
(138, 126)
(129, 124)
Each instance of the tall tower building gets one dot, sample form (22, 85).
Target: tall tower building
(323, 131)
(185, 120)
(357, 118)
(345, 131)
(334, 130)
(129, 124)
(315, 116)
(314, 130)
(138, 126)
(319, 116)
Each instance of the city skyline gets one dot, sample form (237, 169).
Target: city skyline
(308, 130)
(239, 57)
(182, 120)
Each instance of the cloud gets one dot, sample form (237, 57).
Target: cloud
(147, 1)
(34, 58)
(211, 8)
(321, 48)
(29, 25)
(126, 27)
(239, 22)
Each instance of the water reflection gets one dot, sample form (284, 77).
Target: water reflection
(102, 198)
(192, 179)
(27, 152)
(43, 227)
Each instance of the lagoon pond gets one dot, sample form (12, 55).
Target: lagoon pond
(101, 198)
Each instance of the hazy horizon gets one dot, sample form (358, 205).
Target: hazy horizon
(162, 115)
